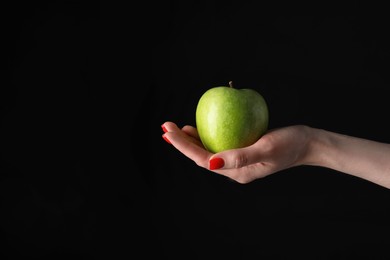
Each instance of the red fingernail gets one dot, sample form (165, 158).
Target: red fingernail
(164, 128)
(166, 139)
(216, 163)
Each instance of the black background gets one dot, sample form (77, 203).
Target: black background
(85, 172)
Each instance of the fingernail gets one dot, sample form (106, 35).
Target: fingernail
(164, 128)
(166, 139)
(216, 163)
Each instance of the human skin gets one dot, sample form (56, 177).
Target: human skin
(284, 148)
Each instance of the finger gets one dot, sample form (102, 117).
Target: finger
(169, 127)
(238, 158)
(187, 130)
(191, 131)
(186, 145)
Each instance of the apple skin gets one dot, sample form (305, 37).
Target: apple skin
(230, 118)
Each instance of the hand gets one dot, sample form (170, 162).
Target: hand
(276, 150)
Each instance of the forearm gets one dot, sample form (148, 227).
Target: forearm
(362, 158)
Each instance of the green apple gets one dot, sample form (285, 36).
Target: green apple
(229, 118)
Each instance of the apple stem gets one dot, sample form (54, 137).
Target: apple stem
(231, 84)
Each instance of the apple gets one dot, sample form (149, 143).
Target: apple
(230, 118)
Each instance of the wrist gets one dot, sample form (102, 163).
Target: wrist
(316, 146)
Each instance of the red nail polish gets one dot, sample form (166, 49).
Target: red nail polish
(216, 163)
(164, 128)
(166, 139)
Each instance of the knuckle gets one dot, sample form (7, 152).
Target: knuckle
(240, 160)
(267, 144)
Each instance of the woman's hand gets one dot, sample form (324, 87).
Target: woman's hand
(276, 150)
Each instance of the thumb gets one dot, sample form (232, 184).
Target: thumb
(235, 158)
